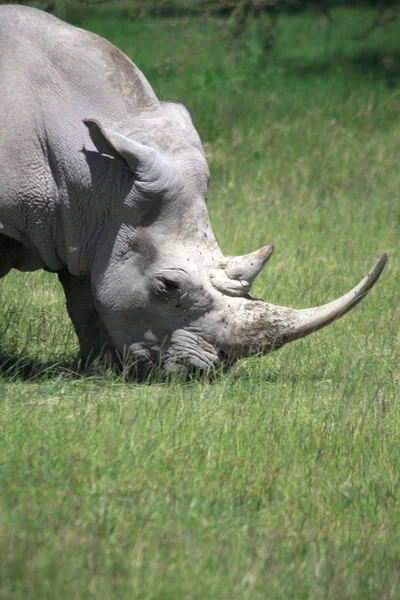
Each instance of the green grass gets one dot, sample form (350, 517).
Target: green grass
(280, 479)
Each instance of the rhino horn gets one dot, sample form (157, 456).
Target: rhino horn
(311, 319)
(142, 160)
(248, 266)
(264, 327)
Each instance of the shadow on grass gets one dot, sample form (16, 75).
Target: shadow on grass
(25, 368)
(370, 64)
(21, 367)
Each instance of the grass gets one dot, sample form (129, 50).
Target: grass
(279, 479)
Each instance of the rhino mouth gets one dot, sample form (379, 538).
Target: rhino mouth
(188, 352)
(182, 354)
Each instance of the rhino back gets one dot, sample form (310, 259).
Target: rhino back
(58, 58)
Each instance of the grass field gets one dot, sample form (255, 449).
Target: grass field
(281, 478)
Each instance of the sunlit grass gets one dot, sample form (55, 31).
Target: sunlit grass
(279, 479)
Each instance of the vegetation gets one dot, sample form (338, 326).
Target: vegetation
(279, 479)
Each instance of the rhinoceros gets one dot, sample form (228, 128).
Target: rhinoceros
(106, 186)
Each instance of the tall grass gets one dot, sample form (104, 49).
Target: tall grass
(279, 479)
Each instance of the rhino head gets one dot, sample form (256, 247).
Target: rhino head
(164, 291)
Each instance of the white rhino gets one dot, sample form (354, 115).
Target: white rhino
(107, 186)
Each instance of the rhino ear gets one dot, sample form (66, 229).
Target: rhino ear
(142, 160)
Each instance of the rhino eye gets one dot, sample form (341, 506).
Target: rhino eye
(165, 287)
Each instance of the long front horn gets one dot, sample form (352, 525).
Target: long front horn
(309, 320)
(261, 327)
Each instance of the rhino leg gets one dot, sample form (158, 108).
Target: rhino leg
(94, 340)
(11, 254)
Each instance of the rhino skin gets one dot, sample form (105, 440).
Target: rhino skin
(107, 186)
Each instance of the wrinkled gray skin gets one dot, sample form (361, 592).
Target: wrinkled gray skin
(105, 185)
